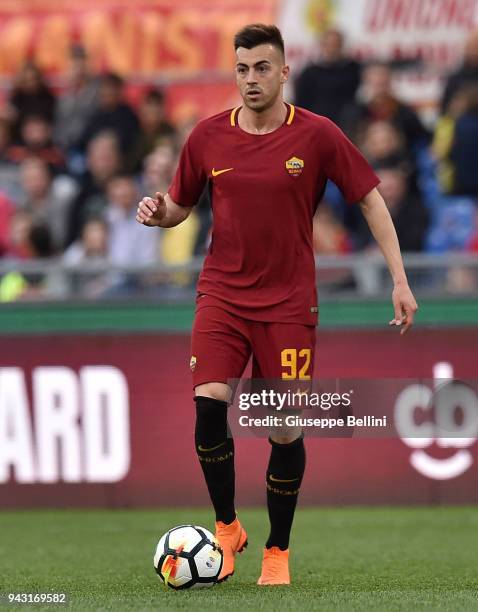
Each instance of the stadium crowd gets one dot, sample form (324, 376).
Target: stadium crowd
(74, 164)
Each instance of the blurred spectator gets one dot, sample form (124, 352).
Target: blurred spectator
(41, 247)
(177, 243)
(384, 147)
(33, 241)
(112, 114)
(466, 75)
(154, 128)
(36, 141)
(453, 220)
(129, 242)
(443, 139)
(473, 242)
(18, 241)
(92, 246)
(377, 102)
(90, 249)
(382, 144)
(41, 241)
(103, 162)
(31, 96)
(78, 103)
(9, 175)
(158, 170)
(455, 144)
(330, 236)
(47, 201)
(464, 150)
(409, 215)
(6, 213)
(461, 280)
(180, 245)
(184, 128)
(326, 86)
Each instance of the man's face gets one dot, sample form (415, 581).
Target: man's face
(110, 95)
(35, 178)
(260, 74)
(122, 193)
(103, 157)
(471, 49)
(78, 69)
(377, 81)
(393, 187)
(151, 113)
(331, 46)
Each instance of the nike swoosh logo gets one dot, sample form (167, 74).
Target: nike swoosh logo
(215, 172)
(281, 479)
(208, 450)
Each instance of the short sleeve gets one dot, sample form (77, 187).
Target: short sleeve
(190, 178)
(347, 167)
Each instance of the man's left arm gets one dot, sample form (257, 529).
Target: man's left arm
(381, 225)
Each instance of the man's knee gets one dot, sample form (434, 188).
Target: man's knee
(285, 435)
(215, 390)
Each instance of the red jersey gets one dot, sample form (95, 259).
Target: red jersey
(265, 189)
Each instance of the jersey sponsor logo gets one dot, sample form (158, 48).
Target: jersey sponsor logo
(215, 172)
(294, 166)
(192, 363)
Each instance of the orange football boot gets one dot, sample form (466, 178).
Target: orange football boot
(275, 566)
(232, 539)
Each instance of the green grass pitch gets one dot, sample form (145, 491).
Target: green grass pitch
(341, 559)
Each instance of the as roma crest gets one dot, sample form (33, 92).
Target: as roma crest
(294, 166)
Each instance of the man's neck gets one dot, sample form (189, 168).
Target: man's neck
(265, 121)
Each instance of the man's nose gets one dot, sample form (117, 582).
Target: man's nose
(251, 77)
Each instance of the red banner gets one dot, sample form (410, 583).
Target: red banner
(177, 41)
(147, 38)
(108, 421)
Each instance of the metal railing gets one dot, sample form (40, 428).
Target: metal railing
(351, 275)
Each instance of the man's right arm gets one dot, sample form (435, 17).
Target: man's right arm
(161, 211)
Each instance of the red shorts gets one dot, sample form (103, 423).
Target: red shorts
(222, 344)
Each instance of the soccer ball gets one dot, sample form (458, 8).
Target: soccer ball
(188, 556)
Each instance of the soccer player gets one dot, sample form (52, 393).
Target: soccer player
(266, 163)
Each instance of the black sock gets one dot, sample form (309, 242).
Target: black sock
(283, 479)
(215, 451)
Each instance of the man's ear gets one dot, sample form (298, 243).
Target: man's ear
(285, 74)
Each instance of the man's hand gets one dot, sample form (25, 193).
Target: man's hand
(151, 211)
(405, 307)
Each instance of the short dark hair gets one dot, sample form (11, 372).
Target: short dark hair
(41, 240)
(122, 176)
(154, 95)
(113, 79)
(256, 34)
